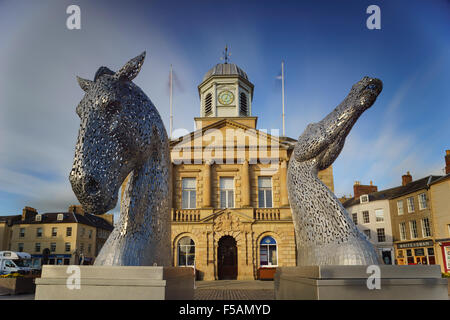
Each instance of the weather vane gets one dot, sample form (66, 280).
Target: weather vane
(226, 55)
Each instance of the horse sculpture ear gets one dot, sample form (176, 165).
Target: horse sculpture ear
(131, 69)
(85, 84)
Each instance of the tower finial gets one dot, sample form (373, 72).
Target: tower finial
(226, 55)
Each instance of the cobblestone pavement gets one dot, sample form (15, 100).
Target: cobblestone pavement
(234, 290)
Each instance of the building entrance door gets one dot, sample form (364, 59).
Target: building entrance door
(227, 258)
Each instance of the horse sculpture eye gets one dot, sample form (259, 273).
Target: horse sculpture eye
(113, 107)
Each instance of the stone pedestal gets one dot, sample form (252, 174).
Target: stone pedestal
(414, 282)
(115, 283)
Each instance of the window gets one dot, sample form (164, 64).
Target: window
(226, 192)
(37, 247)
(265, 192)
(413, 229)
(89, 248)
(22, 232)
(402, 226)
(188, 193)
(410, 202)
(426, 230)
(67, 246)
(60, 217)
(81, 247)
(243, 110)
(90, 234)
(53, 246)
(268, 252)
(82, 232)
(400, 207)
(186, 252)
(366, 217)
(20, 247)
(39, 232)
(69, 231)
(379, 215)
(364, 198)
(380, 235)
(367, 233)
(422, 201)
(38, 218)
(54, 232)
(355, 218)
(208, 105)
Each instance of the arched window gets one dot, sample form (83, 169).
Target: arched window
(243, 109)
(208, 105)
(268, 252)
(186, 252)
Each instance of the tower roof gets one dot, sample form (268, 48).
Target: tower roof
(225, 69)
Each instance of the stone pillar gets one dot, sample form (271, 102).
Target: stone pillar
(207, 184)
(283, 184)
(245, 185)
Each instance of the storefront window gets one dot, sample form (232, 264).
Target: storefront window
(268, 252)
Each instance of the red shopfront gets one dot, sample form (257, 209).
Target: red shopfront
(445, 247)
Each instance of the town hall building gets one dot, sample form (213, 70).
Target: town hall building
(230, 213)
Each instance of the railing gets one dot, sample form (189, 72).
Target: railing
(266, 214)
(186, 215)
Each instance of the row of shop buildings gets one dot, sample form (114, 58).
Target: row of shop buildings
(408, 224)
(58, 238)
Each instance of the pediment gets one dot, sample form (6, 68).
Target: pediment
(230, 215)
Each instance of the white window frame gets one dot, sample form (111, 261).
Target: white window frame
(368, 217)
(185, 245)
(377, 217)
(412, 229)
(400, 209)
(410, 204)
(227, 194)
(422, 205)
(384, 235)
(364, 198)
(268, 245)
(265, 189)
(188, 191)
(425, 228)
(402, 229)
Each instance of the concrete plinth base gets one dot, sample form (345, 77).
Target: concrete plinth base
(115, 283)
(414, 282)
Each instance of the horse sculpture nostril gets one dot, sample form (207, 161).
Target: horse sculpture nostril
(91, 186)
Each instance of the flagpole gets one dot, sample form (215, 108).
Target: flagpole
(170, 103)
(282, 94)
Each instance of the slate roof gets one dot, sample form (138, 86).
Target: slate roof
(69, 217)
(396, 192)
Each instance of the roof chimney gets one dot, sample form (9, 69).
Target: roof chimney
(406, 178)
(28, 212)
(360, 189)
(76, 209)
(447, 161)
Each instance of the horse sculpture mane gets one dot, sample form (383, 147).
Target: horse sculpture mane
(325, 233)
(121, 133)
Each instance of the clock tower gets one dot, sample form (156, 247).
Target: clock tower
(225, 92)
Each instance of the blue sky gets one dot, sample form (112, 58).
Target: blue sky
(325, 44)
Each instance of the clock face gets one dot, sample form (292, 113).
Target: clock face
(226, 97)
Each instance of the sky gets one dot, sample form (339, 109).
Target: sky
(326, 47)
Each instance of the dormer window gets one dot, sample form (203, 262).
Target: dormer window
(60, 217)
(38, 218)
(364, 198)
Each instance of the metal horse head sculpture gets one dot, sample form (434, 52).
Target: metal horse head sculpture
(325, 233)
(121, 134)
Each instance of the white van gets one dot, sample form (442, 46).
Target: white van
(11, 262)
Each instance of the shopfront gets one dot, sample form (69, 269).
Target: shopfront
(53, 259)
(445, 246)
(416, 252)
